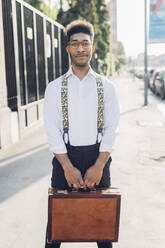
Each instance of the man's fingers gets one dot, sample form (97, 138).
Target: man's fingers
(75, 178)
(81, 182)
(88, 183)
(75, 186)
(70, 185)
(91, 185)
(86, 180)
(97, 183)
(85, 176)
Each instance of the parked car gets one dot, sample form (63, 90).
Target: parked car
(152, 81)
(150, 76)
(139, 72)
(160, 84)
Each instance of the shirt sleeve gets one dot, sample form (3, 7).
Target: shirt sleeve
(52, 120)
(111, 118)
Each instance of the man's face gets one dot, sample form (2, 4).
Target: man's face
(80, 49)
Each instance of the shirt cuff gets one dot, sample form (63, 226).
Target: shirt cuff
(58, 150)
(106, 148)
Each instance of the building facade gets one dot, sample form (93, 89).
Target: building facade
(112, 8)
(32, 48)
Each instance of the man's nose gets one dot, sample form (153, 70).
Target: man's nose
(80, 47)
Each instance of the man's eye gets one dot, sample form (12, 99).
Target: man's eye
(86, 43)
(74, 44)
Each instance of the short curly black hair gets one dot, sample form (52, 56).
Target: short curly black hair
(79, 26)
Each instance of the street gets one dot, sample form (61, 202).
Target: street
(138, 169)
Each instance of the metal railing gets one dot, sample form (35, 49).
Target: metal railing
(34, 54)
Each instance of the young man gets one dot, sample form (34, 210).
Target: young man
(81, 115)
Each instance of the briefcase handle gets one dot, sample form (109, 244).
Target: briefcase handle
(81, 189)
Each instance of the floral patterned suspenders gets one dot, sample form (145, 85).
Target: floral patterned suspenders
(64, 103)
(100, 119)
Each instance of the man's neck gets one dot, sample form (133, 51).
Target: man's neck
(80, 72)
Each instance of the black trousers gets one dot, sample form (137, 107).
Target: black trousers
(82, 157)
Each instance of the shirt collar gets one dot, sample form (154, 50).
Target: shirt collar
(90, 72)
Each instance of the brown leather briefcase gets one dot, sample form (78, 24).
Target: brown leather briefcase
(83, 216)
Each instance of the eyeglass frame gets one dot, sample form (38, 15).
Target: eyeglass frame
(80, 43)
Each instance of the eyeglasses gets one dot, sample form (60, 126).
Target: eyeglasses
(75, 44)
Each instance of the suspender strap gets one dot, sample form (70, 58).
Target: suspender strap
(64, 103)
(100, 120)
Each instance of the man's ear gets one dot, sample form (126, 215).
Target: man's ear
(93, 49)
(68, 50)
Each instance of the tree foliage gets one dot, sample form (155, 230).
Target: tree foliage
(35, 3)
(51, 12)
(43, 7)
(94, 11)
(121, 54)
(103, 29)
(80, 9)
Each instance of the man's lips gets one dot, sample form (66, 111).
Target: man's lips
(81, 56)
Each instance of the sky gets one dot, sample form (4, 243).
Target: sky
(130, 17)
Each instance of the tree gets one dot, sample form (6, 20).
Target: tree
(51, 12)
(35, 3)
(121, 54)
(94, 11)
(80, 9)
(43, 7)
(103, 30)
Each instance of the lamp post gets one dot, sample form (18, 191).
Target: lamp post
(145, 59)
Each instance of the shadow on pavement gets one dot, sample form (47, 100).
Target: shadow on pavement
(17, 155)
(23, 169)
(132, 110)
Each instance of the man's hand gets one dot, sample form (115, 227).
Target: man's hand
(93, 176)
(73, 176)
(94, 173)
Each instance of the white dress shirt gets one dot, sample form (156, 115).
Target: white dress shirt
(82, 112)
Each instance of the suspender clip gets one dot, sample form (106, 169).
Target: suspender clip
(66, 138)
(99, 137)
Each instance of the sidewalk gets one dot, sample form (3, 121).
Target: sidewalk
(138, 169)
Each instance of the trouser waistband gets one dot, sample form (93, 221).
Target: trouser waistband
(83, 148)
